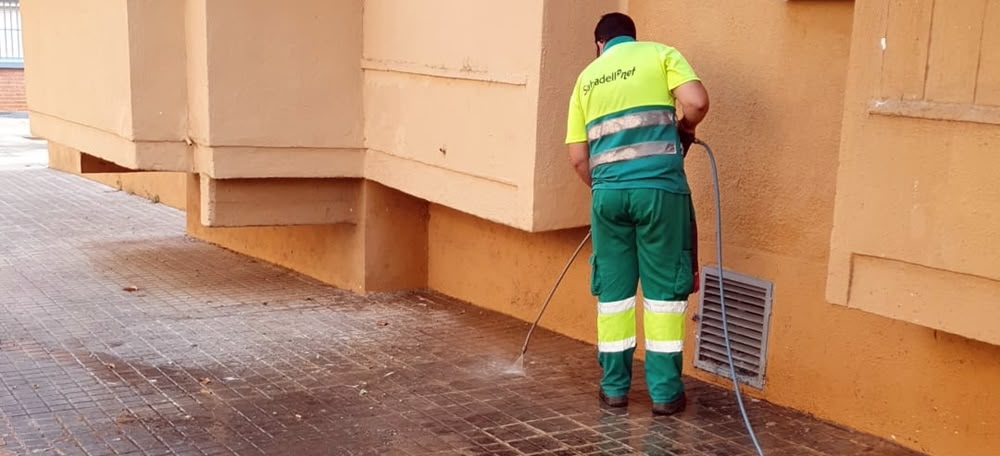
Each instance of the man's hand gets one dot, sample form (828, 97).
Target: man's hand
(687, 138)
(579, 156)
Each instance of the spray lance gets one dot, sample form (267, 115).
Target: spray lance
(687, 139)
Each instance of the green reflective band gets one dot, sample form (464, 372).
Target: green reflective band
(647, 149)
(630, 120)
(632, 137)
(616, 327)
(664, 326)
(627, 111)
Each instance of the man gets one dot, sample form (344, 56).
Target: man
(626, 143)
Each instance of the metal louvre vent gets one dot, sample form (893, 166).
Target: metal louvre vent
(748, 311)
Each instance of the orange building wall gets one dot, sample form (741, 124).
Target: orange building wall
(161, 187)
(775, 129)
(776, 72)
(917, 161)
(385, 250)
(511, 271)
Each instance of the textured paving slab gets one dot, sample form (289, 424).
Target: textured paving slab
(119, 335)
(18, 150)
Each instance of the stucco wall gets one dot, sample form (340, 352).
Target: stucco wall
(331, 253)
(157, 74)
(386, 249)
(448, 105)
(777, 75)
(559, 201)
(511, 271)
(107, 78)
(419, 96)
(776, 72)
(776, 131)
(459, 101)
(283, 75)
(921, 177)
(60, 39)
(166, 188)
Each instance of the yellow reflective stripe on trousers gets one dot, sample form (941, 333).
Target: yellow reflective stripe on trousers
(613, 307)
(664, 325)
(616, 346)
(657, 346)
(616, 325)
(654, 305)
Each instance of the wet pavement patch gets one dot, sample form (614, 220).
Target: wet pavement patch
(120, 335)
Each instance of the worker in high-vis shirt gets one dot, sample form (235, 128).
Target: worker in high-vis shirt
(626, 142)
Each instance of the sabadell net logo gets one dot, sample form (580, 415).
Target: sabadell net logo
(611, 77)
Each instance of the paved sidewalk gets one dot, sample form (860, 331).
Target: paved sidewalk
(119, 335)
(18, 150)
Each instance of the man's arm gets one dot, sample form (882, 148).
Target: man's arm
(579, 156)
(693, 99)
(687, 89)
(576, 137)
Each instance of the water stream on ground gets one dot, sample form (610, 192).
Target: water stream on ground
(517, 367)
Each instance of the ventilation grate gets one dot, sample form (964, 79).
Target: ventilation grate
(748, 311)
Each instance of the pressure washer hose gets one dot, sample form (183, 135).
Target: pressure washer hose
(541, 311)
(722, 295)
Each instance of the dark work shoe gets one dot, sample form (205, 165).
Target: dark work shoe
(613, 401)
(670, 408)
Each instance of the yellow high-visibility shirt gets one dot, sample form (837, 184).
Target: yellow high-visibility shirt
(624, 108)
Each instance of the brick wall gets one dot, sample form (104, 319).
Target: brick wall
(12, 96)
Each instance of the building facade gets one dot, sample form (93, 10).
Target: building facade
(391, 144)
(12, 93)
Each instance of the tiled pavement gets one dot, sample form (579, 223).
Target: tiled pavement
(215, 353)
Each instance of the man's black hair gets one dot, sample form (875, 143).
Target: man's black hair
(613, 25)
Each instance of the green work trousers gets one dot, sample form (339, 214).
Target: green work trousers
(641, 234)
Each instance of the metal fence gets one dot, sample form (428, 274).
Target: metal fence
(11, 54)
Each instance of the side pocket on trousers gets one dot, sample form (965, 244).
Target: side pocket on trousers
(684, 283)
(695, 263)
(595, 277)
